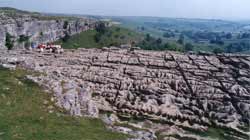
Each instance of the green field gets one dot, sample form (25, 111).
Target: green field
(217, 36)
(113, 36)
(24, 114)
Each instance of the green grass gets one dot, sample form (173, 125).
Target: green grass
(24, 116)
(82, 40)
(113, 36)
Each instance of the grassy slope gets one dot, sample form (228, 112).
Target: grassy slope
(23, 116)
(113, 36)
(83, 40)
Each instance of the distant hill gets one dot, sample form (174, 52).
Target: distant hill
(181, 23)
(191, 34)
(17, 13)
(14, 10)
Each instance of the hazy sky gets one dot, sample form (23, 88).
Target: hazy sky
(212, 9)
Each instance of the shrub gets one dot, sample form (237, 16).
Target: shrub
(41, 34)
(118, 29)
(148, 37)
(172, 47)
(188, 47)
(76, 45)
(23, 38)
(101, 28)
(217, 50)
(9, 43)
(97, 37)
(27, 44)
(181, 39)
(65, 24)
(66, 37)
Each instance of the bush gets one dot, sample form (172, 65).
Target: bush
(97, 37)
(168, 34)
(118, 29)
(76, 45)
(65, 24)
(122, 37)
(23, 38)
(101, 28)
(66, 37)
(173, 47)
(27, 44)
(9, 43)
(217, 51)
(116, 36)
(189, 47)
(41, 34)
(158, 41)
(148, 37)
(181, 39)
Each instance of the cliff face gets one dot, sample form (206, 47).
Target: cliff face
(38, 28)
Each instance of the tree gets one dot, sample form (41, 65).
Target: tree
(217, 51)
(101, 27)
(237, 47)
(245, 36)
(27, 44)
(41, 34)
(142, 28)
(159, 41)
(229, 36)
(181, 39)
(65, 24)
(217, 41)
(66, 37)
(172, 47)
(229, 48)
(118, 29)
(166, 35)
(97, 37)
(23, 38)
(188, 47)
(148, 37)
(9, 43)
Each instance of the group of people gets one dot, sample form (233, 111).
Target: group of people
(50, 47)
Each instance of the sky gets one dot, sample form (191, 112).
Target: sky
(205, 9)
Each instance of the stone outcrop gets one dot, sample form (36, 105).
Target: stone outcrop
(39, 28)
(188, 90)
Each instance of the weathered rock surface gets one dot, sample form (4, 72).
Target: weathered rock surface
(162, 86)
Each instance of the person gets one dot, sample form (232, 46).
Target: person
(33, 45)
